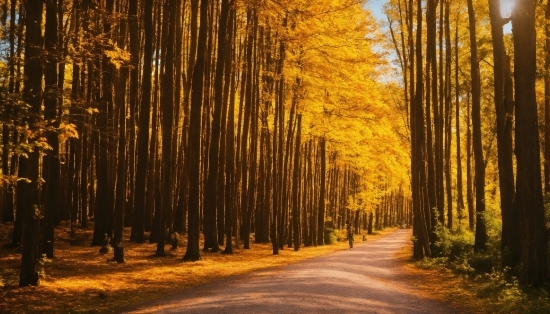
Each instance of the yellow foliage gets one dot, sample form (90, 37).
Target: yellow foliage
(117, 56)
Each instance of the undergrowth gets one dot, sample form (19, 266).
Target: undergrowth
(331, 236)
(482, 274)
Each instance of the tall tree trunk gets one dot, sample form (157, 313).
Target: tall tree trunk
(469, 184)
(137, 233)
(133, 103)
(448, 116)
(431, 100)
(32, 95)
(153, 171)
(8, 204)
(167, 106)
(104, 211)
(295, 182)
(421, 209)
(529, 200)
(481, 229)
(51, 165)
(322, 192)
(192, 253)
(120, 198)
(504, 116)
(230, 135)
(211, 198)
(244, 165)
(547, 100)
(460, 197)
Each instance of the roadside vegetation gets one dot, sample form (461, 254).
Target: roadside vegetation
(477, 280)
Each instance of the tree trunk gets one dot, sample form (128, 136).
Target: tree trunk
(431, 100)
(230, 136)
(469, 187)
(481, 229)
(32, 95)
(192, 253)
(8, 197)
(529, 200)
(460, 197)
(448, 117)
(322, 192)
(133, 98)
(421, 209)
(137, 233)
(51, 165)
(104, 213)
(504, 116)
(167, 106)
(211, 198)
(295, 179)
(120, 198)
(547, 100)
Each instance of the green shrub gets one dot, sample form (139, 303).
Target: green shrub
(453, 243)
(462, 243)
(482, 262)
(331, 235)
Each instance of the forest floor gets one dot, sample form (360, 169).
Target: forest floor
(81, 280)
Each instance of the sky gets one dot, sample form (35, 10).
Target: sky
(506, 7)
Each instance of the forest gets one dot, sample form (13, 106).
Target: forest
(230, 123)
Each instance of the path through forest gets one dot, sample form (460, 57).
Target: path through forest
(365, 279)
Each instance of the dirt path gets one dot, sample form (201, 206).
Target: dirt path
(365, 279)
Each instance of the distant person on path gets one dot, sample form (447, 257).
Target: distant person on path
(350, 233)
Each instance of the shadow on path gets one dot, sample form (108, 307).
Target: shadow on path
(365, 279)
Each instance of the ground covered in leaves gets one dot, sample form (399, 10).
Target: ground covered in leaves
(81, 280)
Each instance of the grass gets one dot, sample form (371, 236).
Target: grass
(81, 280)
(481, 293)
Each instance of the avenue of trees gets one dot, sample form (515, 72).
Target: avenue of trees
(196, 117)
(234, 122)
(477, 103)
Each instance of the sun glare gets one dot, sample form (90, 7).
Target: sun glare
(506, 7)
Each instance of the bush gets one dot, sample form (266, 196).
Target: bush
(331, 236)
(453, 244)
(482, 263)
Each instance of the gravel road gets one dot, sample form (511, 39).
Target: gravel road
(365, 279)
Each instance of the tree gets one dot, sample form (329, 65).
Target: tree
(504, 107)
(32, 94)
(51, 166)
(481, 229)
(529, 201)
(192, 253)
(211, 199)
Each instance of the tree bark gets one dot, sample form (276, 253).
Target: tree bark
(51, 165)
(295, 179)
(138, 226)
(504, 116)
(481, 229)
(167, 105)
(32, 94)
(120, 198)
(104, 210)
(211, 198)
(460, 197)
(322, 192)
(192, 253)
(529, 200)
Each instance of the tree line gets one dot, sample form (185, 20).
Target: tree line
(175, 117)
(458, 57)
